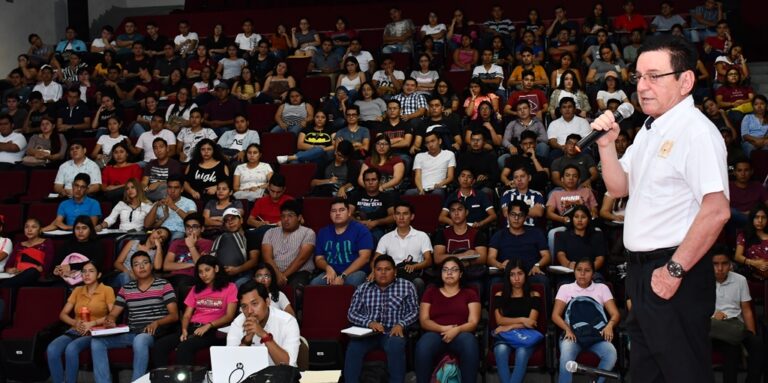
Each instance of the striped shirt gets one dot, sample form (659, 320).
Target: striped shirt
(390, 306)
(145, 307)
(286, 246)
(503, 26)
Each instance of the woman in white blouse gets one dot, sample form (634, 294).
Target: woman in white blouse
(131, 210)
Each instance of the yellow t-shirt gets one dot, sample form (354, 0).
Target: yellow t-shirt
(97, 303)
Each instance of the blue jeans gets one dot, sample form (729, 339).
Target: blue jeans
(140, 343)
(502, 351)
(70, 347)
(315, 154)
(395, 48)
(569, 350)
(120, 280)
(295, 129)
(355, 279)
(137, 130)
(431, 347)
(394, 346)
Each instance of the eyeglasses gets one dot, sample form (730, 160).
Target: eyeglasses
(452, 270)
(192, 227)
(516, 215)
(262, 277)
(652, 77)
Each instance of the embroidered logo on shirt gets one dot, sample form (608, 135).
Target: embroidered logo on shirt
(666, 148)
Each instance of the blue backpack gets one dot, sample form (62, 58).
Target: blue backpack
(587, 318)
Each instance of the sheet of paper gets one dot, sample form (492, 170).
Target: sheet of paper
(355, 331)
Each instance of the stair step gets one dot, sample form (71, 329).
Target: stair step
(758, 68)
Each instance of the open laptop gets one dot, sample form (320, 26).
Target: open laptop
(232, 364)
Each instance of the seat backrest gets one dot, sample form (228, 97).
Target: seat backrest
(297, 66)
(262, 116)
(45, 212)
(428, 208)
(35, 308)
(315, 87)
(759, 160)
(325, 310)
(298, 178)
(14, 219)
(316, 212)
(277, 144)
(40, 184)
(14, 184)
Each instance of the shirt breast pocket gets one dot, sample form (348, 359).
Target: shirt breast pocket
(662, 181)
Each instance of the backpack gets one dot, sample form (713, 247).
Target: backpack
(447, 371)
(587, 318)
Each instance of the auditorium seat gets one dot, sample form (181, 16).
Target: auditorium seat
(262, 117)
(40, 185)
(14, 184)
(297, 178)
(277, 144)
(14, 219)
(317, 212)
(325, 313)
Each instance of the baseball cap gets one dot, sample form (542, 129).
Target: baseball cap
(232, 211)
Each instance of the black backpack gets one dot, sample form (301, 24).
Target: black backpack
(587, 318)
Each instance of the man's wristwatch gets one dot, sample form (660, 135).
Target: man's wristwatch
(266, 338)
(675, 269)
(343, 276)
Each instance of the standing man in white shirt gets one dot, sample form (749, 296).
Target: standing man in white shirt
(185, 41)
(411, 249)
(676, 173)
(260, 325)
(247, 41)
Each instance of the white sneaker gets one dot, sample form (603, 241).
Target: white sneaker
(282, 159)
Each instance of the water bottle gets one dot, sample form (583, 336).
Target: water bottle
(85, 314)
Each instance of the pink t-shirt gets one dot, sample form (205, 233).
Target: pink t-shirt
(598, 291)
(563, 200)
(210, 305)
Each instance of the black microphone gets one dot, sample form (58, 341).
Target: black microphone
(625, 110)
(574, 368)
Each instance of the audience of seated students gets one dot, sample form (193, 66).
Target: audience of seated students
(752, 242)
(744, 193)
(205, 170)
(83, 242)
(754, 127)
(265, 213)
(481, 214)
(536, 98)
(131, 209)
(581, 240)
(410, 248)
(527, 158)
(293, 115)
(343, 248)
(170, 211)
(184, 252)
(177, 116)
(449, 314)
(572, 156)
(388, 305)
(527, 63)
(153, 245)
(568, 123)
(92, 297)
(260, 324)
(213, 211)
(152, 313)
(568, 86)
(79, 204)
(434, 169)
(572, 193)
(412, 129)
(219, 113)
(390, 167)
(251, 177)
(478, 94)
(210, 305)
(315, 143)
(30, 258)
(371, 206)
(575, 340)
(516, 307)
(734, 320)
(287, 250)
(266, 275)
(480, 160)
(233, 143)
(12, 144)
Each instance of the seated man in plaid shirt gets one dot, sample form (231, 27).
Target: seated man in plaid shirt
(387, 305)
(413, 106)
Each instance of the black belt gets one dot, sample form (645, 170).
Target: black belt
(647, 256)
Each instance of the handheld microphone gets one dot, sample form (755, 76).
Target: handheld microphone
(624, 111)
(574, 368)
